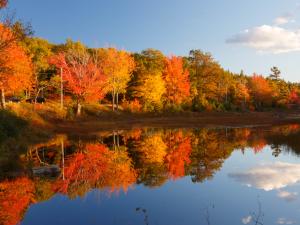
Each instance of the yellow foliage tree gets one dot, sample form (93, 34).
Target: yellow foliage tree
(117, 65)
(152, 91)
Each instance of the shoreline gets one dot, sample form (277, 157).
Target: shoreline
(182, 120)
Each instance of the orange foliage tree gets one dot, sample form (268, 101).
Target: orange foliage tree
(82, 75)
(177, 81)
(15, 65)
(260, 90)
(15, 197)
(241, 93)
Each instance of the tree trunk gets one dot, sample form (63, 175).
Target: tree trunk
(79, 109)
(114, 140)
(37, 95)
(113, 100)
(63, 158)
(117, 101)
(3, 103)
(226, 96)
(118, 140)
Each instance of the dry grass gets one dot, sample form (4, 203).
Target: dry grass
(98, 117)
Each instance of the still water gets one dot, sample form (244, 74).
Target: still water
(156, 177)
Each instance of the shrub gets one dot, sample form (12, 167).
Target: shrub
(10, 125)
(132, 106)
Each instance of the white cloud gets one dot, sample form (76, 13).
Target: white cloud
(288, 196)
(270, 176)
(272, 39)
(247, 219)
(281, 20)
(284, 19)
(284, 221)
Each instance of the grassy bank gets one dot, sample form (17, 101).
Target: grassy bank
(17, 134)
(50, 118)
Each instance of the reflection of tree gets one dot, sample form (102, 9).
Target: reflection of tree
(46, 153)
(149, 154)
(43, 189)
(145, 214)
(15, 197)
(96, 167)
(152, 174)
(276, 150)
(134, 134)
(143, 156)
(210, 149)
(284, 138)
(153, 149)
(179, 151)
(258, 145)
(258, 217)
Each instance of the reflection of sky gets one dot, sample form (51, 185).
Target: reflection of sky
(247, 219)
(288, 196)
(182, 202)
(285, 221)
(270, 176)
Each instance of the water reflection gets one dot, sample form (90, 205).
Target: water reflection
(269, 177)
(117, 161)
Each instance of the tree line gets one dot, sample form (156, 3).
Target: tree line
(147, 81)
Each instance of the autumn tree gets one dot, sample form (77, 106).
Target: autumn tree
(147, 83)
(15, 66)
(260, 91)
(82, 75)
(117, 65)
(176, 81)
(281, 91)
(40, 51)
(207, 84)
(294, 97)
(19, 31)
(240, 92)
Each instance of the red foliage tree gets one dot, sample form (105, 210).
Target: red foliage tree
(294, 97)
(177, 80)
(82, 75)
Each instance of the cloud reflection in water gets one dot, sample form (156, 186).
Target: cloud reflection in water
(271, 176)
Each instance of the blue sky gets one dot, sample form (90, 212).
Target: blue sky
(252, 35)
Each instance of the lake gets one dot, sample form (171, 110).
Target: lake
(155, 177)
